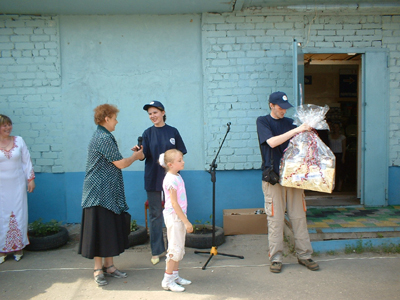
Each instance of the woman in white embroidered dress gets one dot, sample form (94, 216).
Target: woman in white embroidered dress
(16, 177)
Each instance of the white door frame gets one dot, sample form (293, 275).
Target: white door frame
(372, 170)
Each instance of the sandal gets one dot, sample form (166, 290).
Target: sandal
(18, 257)
(99, 279)
(116, 274)
(155, 260)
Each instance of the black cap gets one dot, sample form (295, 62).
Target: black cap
(156, 104)
(281, 99)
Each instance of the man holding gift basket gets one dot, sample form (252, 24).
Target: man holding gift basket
(274, 132)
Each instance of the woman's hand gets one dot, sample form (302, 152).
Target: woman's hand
(189, 227)
(31, 186)
(138, 152)
(137, 148)
(126, 162)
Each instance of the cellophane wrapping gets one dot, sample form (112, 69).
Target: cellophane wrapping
(307, 162)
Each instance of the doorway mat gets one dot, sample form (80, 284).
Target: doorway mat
(381, 218)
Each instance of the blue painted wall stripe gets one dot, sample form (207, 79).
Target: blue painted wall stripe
(58, 196)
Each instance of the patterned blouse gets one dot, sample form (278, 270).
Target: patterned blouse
(103, 184)
(175, 182)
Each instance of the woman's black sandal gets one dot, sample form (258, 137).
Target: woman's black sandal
(100, 279)
(116, 274)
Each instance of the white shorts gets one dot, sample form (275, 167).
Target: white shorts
(176, 234)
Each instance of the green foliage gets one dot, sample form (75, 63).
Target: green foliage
(200, 227)
(368, 247)
(348, 249)
(391, 248)
(291, 247)
(134, 226)
(40, 229)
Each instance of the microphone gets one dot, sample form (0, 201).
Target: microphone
(139, 142)
(229, 126)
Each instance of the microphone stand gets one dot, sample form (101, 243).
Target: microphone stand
(212, 170)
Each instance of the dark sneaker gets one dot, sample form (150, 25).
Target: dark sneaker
(275, 267)
(309, 263)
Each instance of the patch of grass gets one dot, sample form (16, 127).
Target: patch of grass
(348, 249)
(331, 252)
(390, 248)
(361, 247)
(290, 245)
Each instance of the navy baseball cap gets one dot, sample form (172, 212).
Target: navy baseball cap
(281, 99)
(156, 104)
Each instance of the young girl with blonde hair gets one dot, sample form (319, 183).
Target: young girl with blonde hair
(175, 219)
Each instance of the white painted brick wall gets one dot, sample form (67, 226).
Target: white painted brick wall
(258, 47)
(30, 81)
(246, 56)
(391, 40)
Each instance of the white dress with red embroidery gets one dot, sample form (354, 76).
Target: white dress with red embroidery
(15, 171)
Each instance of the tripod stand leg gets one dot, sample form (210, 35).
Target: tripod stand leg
(231, 255)
(208, 260)
(213, 252)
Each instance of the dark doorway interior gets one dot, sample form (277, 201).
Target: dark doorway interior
(333, 80)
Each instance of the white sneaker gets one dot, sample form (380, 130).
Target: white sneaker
(182, 281)
(171, 286)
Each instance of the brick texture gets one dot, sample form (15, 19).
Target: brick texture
(258, 47)
(246, 56)
(30, 81)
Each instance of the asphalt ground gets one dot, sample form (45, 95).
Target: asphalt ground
(63, 274)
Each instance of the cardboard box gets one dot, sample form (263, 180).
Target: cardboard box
(245, 221)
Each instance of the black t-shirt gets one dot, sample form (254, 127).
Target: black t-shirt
(157, 140)
(268, 127)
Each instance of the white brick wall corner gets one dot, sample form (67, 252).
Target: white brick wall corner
(30, 74)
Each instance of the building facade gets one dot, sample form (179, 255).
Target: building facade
(208, 69)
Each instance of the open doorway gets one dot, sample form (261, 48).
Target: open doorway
(334, 80)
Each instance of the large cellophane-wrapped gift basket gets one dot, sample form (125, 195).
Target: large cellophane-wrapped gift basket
(307, 162)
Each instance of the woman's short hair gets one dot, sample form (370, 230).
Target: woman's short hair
(103, 111)
(5, 120)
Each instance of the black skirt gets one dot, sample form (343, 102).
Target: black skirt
(103, 233)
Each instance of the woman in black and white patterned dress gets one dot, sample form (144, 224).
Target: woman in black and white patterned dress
(104, 233)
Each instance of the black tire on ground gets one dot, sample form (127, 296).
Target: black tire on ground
(48, 242)
(203, 241)
(138, 237)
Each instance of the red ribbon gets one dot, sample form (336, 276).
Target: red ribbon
(311, 158)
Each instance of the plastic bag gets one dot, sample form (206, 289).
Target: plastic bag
(311, 114)
(307, 162)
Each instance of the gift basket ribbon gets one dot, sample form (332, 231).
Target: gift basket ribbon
(307, 163)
